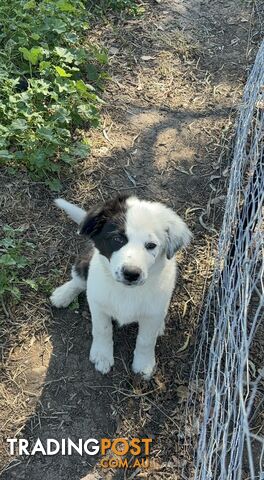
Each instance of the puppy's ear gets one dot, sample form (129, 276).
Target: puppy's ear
(93, 222)
(98, 216)
(178, 235)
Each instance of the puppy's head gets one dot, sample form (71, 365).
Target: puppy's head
(133, 235)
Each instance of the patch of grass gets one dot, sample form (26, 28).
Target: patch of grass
(74, 305)
(13, 262)
(50, 80)
(47, 284)
(16, 261)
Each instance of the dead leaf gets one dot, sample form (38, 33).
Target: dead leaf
(160, 383)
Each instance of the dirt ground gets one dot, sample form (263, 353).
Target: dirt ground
(177, 74)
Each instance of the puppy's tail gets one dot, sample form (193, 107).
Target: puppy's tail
(77, 214)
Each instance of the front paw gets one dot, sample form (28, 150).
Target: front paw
(102, 358)
(61, 298)
(144, 365)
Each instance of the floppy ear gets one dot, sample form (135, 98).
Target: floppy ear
(177, 233)
(93, 222)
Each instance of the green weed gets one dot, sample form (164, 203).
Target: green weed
(48, 283)
(13, 262)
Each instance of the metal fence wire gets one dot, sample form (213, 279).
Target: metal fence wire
(231, 431)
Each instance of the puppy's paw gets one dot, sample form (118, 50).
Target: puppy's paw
(103, 360)
(60, 297)
(143, 365)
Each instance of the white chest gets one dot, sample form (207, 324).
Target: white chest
(128, 304)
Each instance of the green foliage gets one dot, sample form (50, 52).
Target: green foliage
(12, 261)
(49, 85)
(74, 305)
(46, 284)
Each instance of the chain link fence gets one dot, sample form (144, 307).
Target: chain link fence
(231, 419)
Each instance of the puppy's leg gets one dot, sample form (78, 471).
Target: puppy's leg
(66, 293)
(144, 354)
(101, 353)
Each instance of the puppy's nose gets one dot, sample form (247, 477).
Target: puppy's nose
(131, 274)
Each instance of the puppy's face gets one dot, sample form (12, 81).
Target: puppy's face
(133, 234)
(137, 252)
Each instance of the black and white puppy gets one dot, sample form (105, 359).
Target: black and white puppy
(129, 273)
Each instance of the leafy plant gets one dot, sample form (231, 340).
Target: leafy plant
(49, 84)
(12, 261)
(74, 305)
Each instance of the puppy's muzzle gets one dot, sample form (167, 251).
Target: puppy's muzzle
(131, 275)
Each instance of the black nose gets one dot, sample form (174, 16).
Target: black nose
(131, 274)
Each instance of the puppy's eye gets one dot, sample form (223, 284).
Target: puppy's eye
(119, 239)
(150, 245)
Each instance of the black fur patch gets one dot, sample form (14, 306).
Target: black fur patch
(98, 216)
(82, 263)
(110, 239)
(105, 226)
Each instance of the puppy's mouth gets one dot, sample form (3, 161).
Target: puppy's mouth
(130, 283)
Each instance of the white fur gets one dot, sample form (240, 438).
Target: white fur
(147, 301)
(66, 293)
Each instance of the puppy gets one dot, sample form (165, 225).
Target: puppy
(129, 273)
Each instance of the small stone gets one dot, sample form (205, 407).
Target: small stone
(113, 50)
